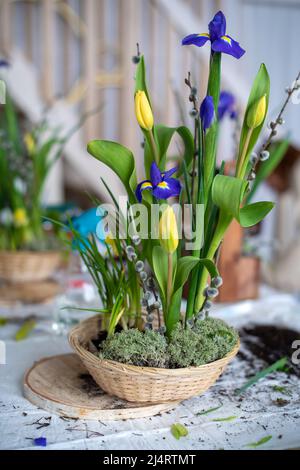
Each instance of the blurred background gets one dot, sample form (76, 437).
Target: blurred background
(71, 57)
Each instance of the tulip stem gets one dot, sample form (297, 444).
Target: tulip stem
(170, 278)
(240, 167)
(154, 147)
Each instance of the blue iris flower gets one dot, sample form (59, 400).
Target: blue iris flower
(4, 63)
(207, 112)
(227, 105)
(161, 184)
(220, 41)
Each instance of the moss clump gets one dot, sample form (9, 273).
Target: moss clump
(209, 340)
(136, 348)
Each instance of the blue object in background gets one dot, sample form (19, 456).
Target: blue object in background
(89, 223)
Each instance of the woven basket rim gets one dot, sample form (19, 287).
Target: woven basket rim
(97, 362)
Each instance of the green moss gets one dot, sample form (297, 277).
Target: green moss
(136, 348)
(209, 340)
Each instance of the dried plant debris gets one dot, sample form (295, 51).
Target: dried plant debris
(283, 390)
(210, 410)
(42, 422)
(277, 366)
(179, 430)
(264, 440)
(225, 420)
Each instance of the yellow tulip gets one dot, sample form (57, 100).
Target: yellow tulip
(29, 143)
(143, 111)
(168, 231)
(257, 113)
(20, 218)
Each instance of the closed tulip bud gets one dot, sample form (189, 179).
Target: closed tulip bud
(257, 113)
(143, 111)
(168, 232)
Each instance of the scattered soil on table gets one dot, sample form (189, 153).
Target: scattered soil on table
(269, 344)
(89, 386)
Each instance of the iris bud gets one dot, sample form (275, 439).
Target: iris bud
(257, 113)
(143, 111)
(168, 232)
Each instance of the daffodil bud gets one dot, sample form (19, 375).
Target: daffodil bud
(29, 143)
(168, 232)
(110, 241)
(143, 111)
(257, 113)
(20, 218)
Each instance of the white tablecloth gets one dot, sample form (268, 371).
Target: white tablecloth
(256, 414)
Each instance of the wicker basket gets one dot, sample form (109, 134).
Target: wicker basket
(28, 266)
(143, 384)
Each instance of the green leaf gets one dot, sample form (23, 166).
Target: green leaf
(119, 159)
(282, 390)
(160, 267)
(172, 316)
(261, 86)
(228, 194)
(210, 410)
(262, 441)
(140, 78)
(187, 264)
(211, 135)
(163, 137)
(223, 420)
(178, 431)
(277, 153)
(277, 366)
(25, 329)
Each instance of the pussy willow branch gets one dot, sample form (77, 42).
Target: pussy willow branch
(193, 99)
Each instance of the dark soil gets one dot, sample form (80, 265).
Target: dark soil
(269, 344)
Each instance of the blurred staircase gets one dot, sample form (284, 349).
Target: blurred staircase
(81, 51)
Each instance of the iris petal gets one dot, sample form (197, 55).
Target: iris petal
(155, 174)
(143, 186)
(170, 187)
(217, 26)
(226, 105)
(196, 39)
(227, 45)
(169, 173)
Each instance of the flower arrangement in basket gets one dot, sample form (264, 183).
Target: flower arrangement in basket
(143, 346)
(30, 247)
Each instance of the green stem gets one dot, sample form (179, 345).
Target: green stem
(154, 147)
(170, 279)
(240, 167)
(223, 224)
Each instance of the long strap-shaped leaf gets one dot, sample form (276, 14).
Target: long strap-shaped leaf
(228, 194)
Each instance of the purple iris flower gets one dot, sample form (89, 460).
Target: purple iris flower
(207, 112)
(220, 41)
(4, 63)
(161, 184)
(227, 105)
